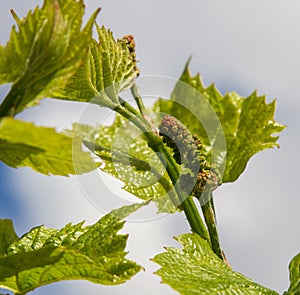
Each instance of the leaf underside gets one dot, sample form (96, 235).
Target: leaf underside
(95, 253)
(127, 157)
(42, 149)
(195, 269)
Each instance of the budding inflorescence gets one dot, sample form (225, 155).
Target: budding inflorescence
(187, 150)
(130, 43)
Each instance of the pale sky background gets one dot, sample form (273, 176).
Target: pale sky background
(239, 45)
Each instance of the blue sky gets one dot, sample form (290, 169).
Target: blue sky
(239, 45)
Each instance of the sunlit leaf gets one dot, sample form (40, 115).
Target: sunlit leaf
(95, 253)
(108, 69)
(41, 148)
(195, 269)
(44, 51)
(247, 124)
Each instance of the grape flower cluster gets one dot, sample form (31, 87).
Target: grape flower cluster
(188, 151)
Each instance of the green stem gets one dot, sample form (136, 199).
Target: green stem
(195, 219)
(137, 96)
(156, 143)
(131, 109)
(209, 216)
(187, 203)
(137, 120)
(18, 97)
(128, 106)
(8, 106)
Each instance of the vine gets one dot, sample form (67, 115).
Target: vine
(187, 146)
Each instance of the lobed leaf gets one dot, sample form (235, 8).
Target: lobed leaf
(294, 268)
(95, 253)
(42, 149)
(108, 69)
(44, 51)
(247, 124)
(195, 269)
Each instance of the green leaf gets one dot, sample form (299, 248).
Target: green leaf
(294, 268)
(44, 51)
(247, 124)
(127, 156)
(195, 269)
(95, 253)
(7, 235)
(109, 68)
(42, 149)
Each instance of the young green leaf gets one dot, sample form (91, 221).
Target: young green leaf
(95, 253)
(247, 123)
(195, 269)
(44, 51)
(108, 69)
(294, 268)
(127, 157)
(42, 149)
